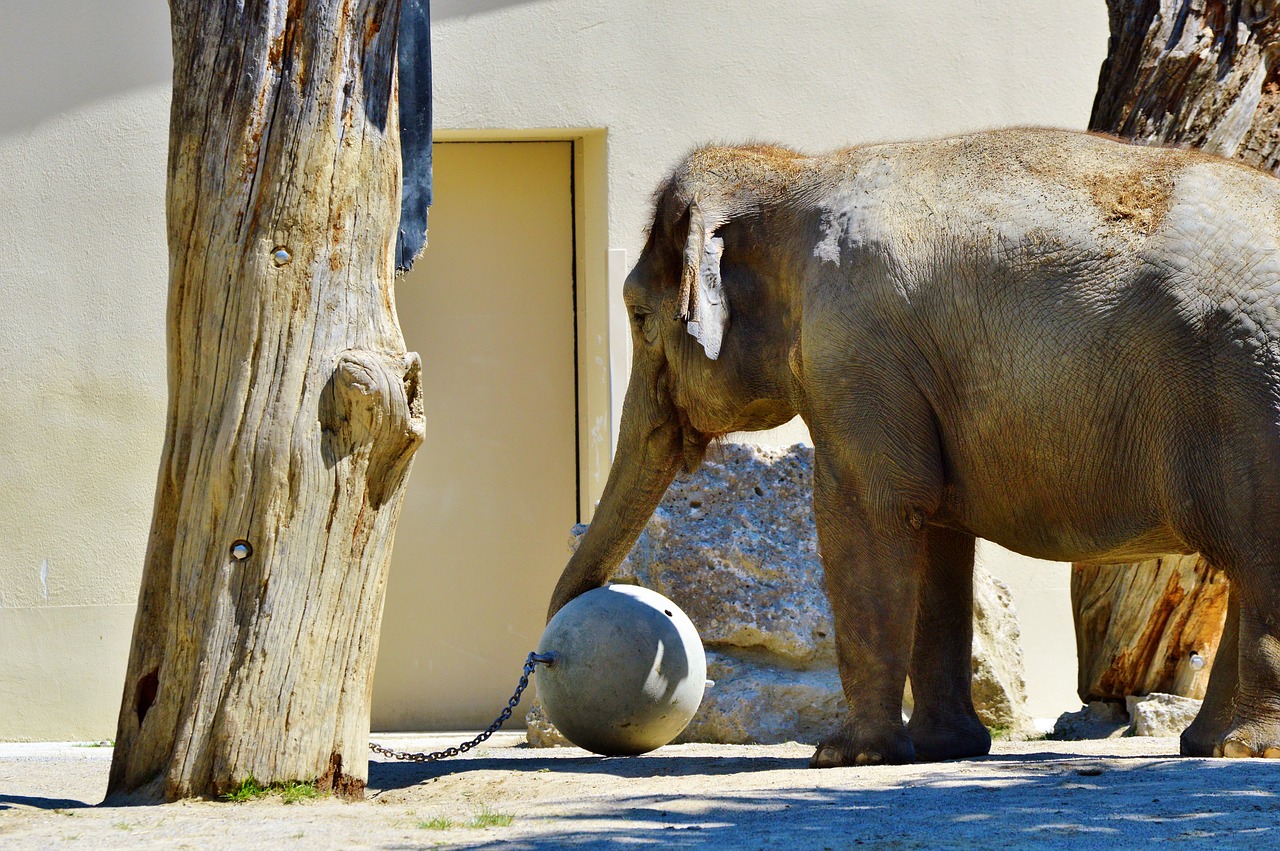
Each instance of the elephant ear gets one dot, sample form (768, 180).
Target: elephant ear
(703, 305)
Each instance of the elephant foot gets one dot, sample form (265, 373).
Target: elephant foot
(847, 748)
(1190, 744)
(1241, 740)
(1201, 739)
(957, 736)
(1249, 741)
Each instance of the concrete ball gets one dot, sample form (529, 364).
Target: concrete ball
(629, 670)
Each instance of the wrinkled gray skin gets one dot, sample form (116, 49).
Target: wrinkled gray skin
(1055, 341)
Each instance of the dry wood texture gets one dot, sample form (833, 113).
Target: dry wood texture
(294, 410)
(1190, 73)
(1138, 626)
(1193, 73)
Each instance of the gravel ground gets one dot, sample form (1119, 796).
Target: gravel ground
(1105, 794)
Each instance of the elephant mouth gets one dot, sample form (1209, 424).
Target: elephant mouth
(693, 444)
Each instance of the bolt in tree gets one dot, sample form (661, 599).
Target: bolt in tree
(294, 409)
(1191, 73)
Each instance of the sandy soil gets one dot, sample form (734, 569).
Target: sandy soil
(1109, 793)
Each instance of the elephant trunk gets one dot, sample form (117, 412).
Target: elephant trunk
(650, 452)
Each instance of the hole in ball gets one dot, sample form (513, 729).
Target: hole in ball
(667, 613)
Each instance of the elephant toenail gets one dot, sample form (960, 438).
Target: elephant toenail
(1272, 752)
(825, 758)
(1236, 750)
(869, 758)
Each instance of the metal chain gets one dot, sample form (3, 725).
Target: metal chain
(533, 661)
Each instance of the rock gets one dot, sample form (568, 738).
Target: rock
(735, 547)
(1101, 719)
(1144, 715)
(753, 700)
(540, 732)
(999, 691)
(1159, 714)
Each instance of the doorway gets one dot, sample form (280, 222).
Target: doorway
(490, 307)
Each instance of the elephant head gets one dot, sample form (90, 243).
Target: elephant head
(712, 325)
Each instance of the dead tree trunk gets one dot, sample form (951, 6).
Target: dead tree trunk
(1153, 626)
(294, 410)
(1191, 73)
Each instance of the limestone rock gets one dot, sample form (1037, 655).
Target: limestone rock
(1101, 719)
(756, 701)
(735, 547)
(540, 732)
(1161, 714)
(999, 691)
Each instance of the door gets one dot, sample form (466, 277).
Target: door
(493, 493)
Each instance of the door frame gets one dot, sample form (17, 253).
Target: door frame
(590, 192)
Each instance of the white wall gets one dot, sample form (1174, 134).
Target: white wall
(664, 76)
(83, 268)
(83, 129)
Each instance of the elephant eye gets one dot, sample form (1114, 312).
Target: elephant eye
(644, 324)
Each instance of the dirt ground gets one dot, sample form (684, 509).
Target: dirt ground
(1108, 793)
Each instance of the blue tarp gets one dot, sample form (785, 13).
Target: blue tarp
(414, 53)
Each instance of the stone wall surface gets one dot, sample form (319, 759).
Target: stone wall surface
(735, 547)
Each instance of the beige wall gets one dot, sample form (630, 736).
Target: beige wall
(83, 118)
(83, 265)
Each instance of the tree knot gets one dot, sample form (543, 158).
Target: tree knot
(373, 411)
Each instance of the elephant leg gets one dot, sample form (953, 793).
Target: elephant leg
(1254, 729)
(1210, 726)
(871, 581)
(873, 554)
(944, 724)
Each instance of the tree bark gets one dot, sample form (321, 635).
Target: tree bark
(1140, 628)
(1193, 73)
(1189, 73)
(294, 409)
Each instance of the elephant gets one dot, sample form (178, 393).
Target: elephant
(1056, 341)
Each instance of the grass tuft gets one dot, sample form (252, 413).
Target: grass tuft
(483, 819)
(290, 793)
(488, 818)
(246, 791)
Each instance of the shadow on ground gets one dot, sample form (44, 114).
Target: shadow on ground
(11, 801)
(1027, 800)
(386, 776)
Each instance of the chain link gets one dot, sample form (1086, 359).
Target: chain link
(532, 662)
